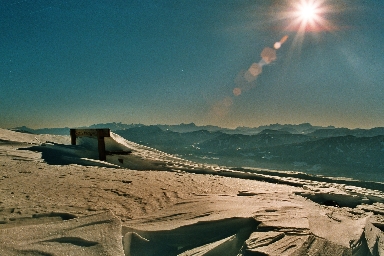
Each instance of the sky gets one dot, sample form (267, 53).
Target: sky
(81, 62)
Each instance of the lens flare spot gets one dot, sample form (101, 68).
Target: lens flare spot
(268, 55)
(237, 91)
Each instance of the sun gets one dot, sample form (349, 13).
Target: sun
(303, 17)
(307, 15)
(307, 12)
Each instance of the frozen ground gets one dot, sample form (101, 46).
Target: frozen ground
(58, 199)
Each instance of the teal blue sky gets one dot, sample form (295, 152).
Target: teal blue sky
(79, 62)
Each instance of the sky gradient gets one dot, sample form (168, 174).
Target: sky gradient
(79, 62)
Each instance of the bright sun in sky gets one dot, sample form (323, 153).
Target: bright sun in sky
(307, 16)
(307, 11)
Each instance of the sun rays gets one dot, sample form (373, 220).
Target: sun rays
(306, 16)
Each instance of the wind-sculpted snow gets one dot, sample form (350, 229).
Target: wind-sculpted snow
(58, 199)
(97, 234)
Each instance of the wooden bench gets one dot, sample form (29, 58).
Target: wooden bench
(100, 134)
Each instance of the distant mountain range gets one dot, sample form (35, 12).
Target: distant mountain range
(357, 153)
(304, 128)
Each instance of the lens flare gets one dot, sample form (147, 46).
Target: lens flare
(244, 81)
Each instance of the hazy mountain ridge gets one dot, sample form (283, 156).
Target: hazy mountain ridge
(349, 155)
(65, 130)
(332, 151)
(55, 131)
(345, 155)
(304, 128)
(345, 132)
